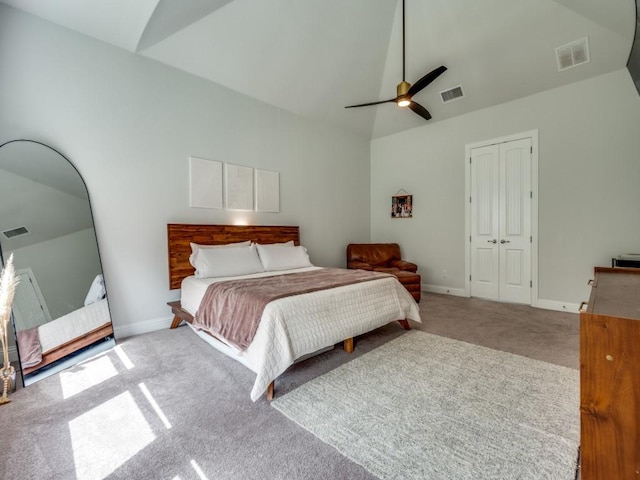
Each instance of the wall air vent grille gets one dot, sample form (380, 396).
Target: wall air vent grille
(573, 54)
(452, 94)
(15, 232)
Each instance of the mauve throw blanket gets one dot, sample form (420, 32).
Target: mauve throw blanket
(29, 346)
(232, 309)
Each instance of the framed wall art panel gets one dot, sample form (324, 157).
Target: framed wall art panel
(238, 187)
(205, 183)
(267, 191)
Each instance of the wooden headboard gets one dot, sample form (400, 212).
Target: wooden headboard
(179, 236)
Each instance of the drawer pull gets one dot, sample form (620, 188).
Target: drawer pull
(583, 306)
(609, 357)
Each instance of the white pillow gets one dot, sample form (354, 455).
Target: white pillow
(227, 262)
(195, 247)
(96, 291)
(283, 257)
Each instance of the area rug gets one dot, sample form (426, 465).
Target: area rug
(428, 407)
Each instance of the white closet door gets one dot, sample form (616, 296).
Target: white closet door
(515, 221)
(501, 221)
(485, 226)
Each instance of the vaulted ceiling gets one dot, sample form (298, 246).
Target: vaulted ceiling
(314, 57)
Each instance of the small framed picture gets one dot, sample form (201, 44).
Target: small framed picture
(402, 206)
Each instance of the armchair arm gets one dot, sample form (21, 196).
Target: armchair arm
(404, 265)
(359, 265)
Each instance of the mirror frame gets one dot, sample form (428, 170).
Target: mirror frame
(93, 348)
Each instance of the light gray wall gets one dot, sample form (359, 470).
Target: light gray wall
(130, 124)
(64, 268)
(589, 169)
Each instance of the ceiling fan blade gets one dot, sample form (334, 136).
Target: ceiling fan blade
(426, 80)
(420, 110)
(372, 103)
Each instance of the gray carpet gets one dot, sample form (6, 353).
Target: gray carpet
(109, 428)
(427, 407)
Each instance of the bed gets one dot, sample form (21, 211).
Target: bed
(291, 327)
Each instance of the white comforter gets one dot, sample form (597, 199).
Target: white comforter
(292, 327)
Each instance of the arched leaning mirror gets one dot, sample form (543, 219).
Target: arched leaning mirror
(60, 311)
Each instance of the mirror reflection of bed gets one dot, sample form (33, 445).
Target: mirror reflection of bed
(60, 312)
(44, 344)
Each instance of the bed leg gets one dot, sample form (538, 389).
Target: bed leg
(348, 345)
(271, 391)
(176, 322)
(405, 324)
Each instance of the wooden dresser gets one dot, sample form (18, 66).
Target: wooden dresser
(610, 377)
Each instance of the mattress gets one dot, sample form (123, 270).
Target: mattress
(74, 324)
(293, 327)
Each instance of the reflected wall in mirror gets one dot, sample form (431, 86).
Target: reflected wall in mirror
(60, 312)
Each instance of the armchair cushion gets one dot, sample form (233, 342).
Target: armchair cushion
(359, 265)
(404, 265)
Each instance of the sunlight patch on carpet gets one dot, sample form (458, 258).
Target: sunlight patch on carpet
(86, 375)
(99, 448)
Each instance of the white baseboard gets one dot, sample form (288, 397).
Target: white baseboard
(458, 292)
(541, 303)
(142, 327)
(558, 306)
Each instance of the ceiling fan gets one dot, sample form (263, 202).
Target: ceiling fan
(405, 90)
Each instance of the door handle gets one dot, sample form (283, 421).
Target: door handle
(492, 241)
(505, 241)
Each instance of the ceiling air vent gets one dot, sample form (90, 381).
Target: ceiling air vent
(15, 232)
(573, 54)
(452, 94)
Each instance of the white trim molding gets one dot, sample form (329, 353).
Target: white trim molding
(139, 328)
(558, 306)
(458, 292)
(555, 305)
(533, 135)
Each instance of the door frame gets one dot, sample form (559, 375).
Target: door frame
(36, 289)
(533, 135)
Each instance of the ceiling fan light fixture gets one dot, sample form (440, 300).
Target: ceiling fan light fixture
(403, 99)
(406, 91)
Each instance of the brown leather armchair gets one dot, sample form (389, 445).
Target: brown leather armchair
(385, 257)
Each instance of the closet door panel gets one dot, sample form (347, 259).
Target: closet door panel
(515, 221)
(485, 224)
